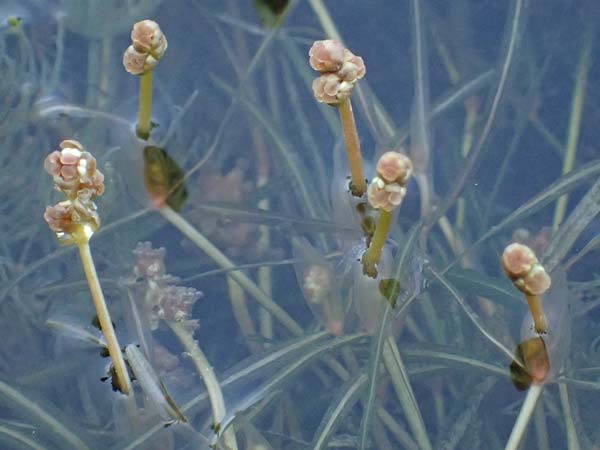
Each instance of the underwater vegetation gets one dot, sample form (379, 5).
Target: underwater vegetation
(299, 224)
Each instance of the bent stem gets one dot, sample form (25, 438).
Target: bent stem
(206, 372)
(114, 349)
(537, 313)
(144, 125)
(520, 427)
(373, 254)
(359, 184)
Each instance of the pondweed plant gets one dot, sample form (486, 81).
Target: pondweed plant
(247, 185)
(74, 221)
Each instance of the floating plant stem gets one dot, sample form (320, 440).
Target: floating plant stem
(340, 70)
(74, 221)
(144, 125)
(141, 57)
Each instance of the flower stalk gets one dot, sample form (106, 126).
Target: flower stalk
(141, 57)
(386, 193)
(529, 276)
(74, 221)
(359, 184)
(340, 70)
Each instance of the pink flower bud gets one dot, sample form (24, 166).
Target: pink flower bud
(74, 169)
(394, 167)
(147, 37)
(329, 88)
(517, 260)
(537, 281)
(387, 196)
(134, 61)
(148, 47)
(326, 56)
(353, 68)
(60, 217)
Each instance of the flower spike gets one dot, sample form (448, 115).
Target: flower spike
(386, 193)
(74, 221)
(148, 46)
(529, 276)
(340, 70)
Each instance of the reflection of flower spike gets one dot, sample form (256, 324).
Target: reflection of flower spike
(319, 286)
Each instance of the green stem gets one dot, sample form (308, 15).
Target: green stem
(359, 184)
(114, 349)
(144, 125)
(520, 426)
(207, 374)
(579, 93)
(373, 254)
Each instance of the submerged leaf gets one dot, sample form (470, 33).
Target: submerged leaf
(498, 290)
(390, 289)
(163, 178)
(153, 388)
(270, 10)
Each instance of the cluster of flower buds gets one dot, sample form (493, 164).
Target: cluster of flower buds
(523, 268)
(163, 299)
(148, 47)
(75, 174)
(340, 69)
(388, 188)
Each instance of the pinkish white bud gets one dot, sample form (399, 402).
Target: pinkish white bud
(517, 260)
(147, 37)
(148, 47)
(326, 56)
(330, 89)
(537, 281)
(353, 68)
(394, 167)
(74, 170)
(60, 217)
(387, 196)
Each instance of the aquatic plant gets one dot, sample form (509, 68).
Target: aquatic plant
(141, 57)
(74, 221)
(245, 182)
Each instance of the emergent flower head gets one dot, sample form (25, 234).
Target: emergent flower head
(387, 196)
(394, 167)
(147, 49)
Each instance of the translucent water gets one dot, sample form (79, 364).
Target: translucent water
(254, 327)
